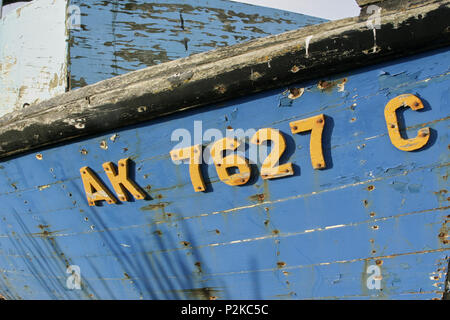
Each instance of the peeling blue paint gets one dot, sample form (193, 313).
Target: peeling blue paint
(313, 236)
(117, 37)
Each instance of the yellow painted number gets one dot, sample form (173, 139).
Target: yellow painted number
(405, 100)
(315, 125)
(271, 168)
(194, 155)
(225, 163)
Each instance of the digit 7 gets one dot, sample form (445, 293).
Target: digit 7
(194, 155)
(315, 125)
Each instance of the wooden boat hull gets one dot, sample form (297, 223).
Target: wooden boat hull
(372, 223)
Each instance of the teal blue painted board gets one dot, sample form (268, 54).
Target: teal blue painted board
(117, 37)
(315, 235)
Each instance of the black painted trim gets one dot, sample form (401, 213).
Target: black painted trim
(225, 74)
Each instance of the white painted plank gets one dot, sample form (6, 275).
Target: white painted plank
(33, 54)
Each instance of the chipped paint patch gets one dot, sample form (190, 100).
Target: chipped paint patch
(157, 206)
(174, 29)
(33, 42)
(142, 109)
(295, 93)
(199, 293)
(40, 188)
(77, 123)
(114, 137)
(255, 75)
(295, 69)
(328, 86)
(104, 145)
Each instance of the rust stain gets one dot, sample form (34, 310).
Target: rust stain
(156, 206)
(295, 69)
(260, 197)
(365, 260)
(220, 88)
(443, 232)
(199, 266)
(328, 86)
(200, 293)
(54, 82)
(185, 243)
(446, 295)
(104, 145)
(289, 295)
(40, 188)
(45, 233)
(441, 195)
(295, 93)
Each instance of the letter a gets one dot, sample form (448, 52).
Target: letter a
(94, 188)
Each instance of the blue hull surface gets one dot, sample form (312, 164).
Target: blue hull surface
(372, 225)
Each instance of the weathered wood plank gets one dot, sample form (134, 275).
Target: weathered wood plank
(222, 74)
(33, 65)
(117, 37)
(318, 232)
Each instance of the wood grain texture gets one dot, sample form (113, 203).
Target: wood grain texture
(33, 65)
(223, 74)
(117, 37)
(309, 236)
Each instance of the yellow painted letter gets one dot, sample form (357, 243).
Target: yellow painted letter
(121, 181)
(94, 188)
(404, 100)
